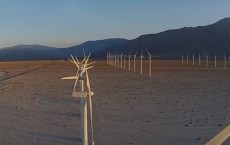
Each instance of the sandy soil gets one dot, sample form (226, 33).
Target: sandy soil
(178, 105)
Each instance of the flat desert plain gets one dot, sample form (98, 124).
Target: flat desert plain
(178, 105)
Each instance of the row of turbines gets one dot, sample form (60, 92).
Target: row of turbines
(186, 60)
(120, 60)
(83, 91)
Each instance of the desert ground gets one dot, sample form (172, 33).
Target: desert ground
(178, 105)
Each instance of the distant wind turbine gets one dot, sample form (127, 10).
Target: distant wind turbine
(124, 61)
(118, 61)
(150, 63)
(141, 57)
(129, 56)
(115, 59)
(134, 61)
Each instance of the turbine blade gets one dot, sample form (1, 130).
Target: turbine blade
(91, 63)
(136, 52)
(75, 84)
(89, 67)
(69, 78)
(148, 52)
(75, 61)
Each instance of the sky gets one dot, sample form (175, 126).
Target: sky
(64, 23)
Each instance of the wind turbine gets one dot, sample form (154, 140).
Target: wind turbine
(150, 63)
(109, 58)
(124, 61)
(118, 63)
(115, 59)
(199, 59)
(134, 61)
(121, 59)
(129, 56)
(86, 96)
(225, 61)
(141, 57)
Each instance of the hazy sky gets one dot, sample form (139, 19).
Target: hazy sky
(62, 23)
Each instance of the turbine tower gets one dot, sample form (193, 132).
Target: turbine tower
(86, 96)
(115, 59)
(121, 60)
(134, 61)
(124, 61)
(129, 56)
(206, 59)
(199, 59)
(150, 63)
(118, 63)
(141, 57)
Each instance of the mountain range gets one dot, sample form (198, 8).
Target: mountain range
(211, 39)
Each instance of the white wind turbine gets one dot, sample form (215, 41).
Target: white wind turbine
(199, 59)
(141, 57)
(150, 63)
(86, 96)
(118, 61)
(115, 59)
(134, 61)
(124, 61)
(129, 56)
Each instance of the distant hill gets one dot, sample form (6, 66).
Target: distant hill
(211, 39)
(29, 52)
(98, 49)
